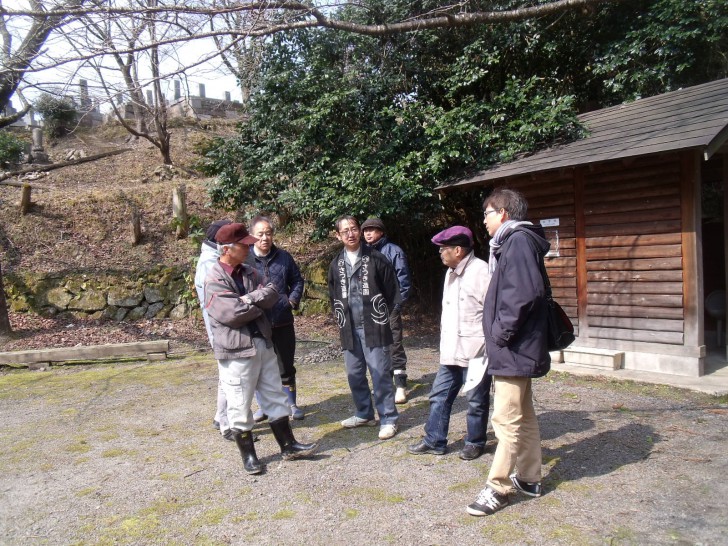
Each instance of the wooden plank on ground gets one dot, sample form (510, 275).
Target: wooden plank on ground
(89, 352)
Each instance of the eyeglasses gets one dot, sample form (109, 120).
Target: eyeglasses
(349, 231)
(487, 212)
(444, 248)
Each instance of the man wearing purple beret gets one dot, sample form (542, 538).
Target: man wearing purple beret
(461, 340)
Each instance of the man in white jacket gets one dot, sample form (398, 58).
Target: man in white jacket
(461, 339)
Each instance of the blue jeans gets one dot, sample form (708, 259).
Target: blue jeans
(379, 362)
(445, 389)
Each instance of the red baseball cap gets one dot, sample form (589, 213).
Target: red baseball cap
(234, 233)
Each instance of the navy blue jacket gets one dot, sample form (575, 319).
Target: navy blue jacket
(515, 311)
(279, 268)
(397, 258)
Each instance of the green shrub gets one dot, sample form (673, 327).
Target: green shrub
(59, 114)
(11, 148)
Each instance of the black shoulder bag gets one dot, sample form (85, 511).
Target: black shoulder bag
(560, 328)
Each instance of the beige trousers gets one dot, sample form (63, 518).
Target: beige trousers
(516, 427)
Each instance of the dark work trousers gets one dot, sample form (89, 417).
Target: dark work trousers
(284, 343)
(399, 358)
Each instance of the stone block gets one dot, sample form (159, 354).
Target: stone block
(153, 294)
(179, 312)
(603, 359)
(57, 297)
(124, 297)
(152, 357)
(137, 312)
(154, 309)
(89, 301)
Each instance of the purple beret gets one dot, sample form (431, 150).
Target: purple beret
(454, 236)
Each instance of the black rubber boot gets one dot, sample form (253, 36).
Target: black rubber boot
(290, 448)
(244, 439)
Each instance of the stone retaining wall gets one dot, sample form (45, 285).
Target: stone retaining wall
(159, 293)
(163, 292)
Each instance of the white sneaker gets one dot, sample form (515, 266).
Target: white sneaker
(400, 395)
(387, 431)
(354, 421)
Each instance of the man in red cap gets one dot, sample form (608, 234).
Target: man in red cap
(241, 336)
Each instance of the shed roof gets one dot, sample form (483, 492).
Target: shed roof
(695, 117)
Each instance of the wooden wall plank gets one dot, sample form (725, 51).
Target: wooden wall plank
(635, 311)
(635, 228)
(636, 240)
(674, 288)
(638, 189)
(563, 282)
(692, 249)
(647, 215)
(647, 300)
(666, 325)
(581, 281)
(672, 338)
(635, 265)
(636, 276)
(634, 252)
(631, 202)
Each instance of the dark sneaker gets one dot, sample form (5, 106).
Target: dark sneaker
(487, 502)
(422, 448)
(215, 424)
(470, 452)
(532, 489)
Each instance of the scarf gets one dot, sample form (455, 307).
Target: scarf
(499, 238)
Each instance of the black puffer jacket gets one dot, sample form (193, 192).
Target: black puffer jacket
(515, 312)
(279, 268)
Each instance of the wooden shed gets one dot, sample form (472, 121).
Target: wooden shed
(634, 213)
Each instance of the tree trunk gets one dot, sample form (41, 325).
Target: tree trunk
(5, 329)
(25, 201)
(136, 226)
(179, 211)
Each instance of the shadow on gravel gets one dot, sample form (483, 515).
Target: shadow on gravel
(557, 423)
(600, 454)
(331, 411)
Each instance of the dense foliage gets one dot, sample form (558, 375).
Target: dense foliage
(11, 149)
(59, 114)
(363, 125)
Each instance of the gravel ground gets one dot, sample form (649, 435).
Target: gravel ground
(126, 454)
